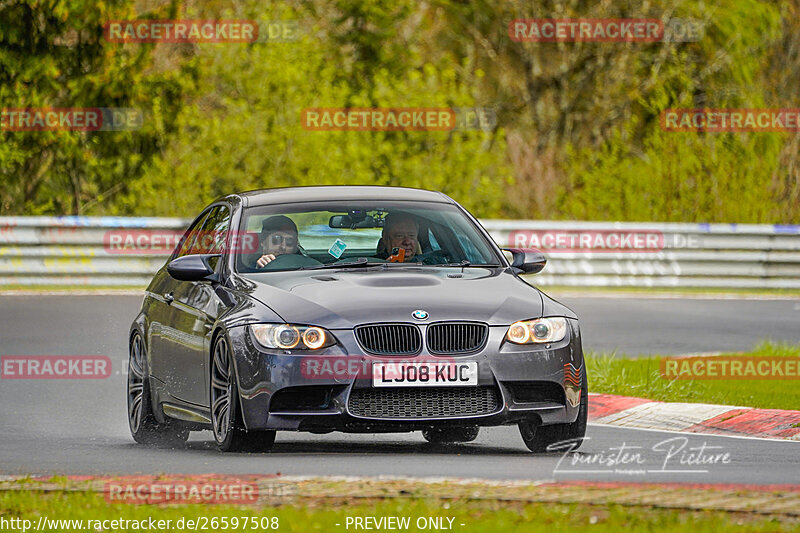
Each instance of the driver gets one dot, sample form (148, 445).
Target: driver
(400, 231)
(278, 237)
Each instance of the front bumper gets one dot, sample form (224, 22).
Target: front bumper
(281, 390)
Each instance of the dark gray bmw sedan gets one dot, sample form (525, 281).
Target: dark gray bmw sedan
(356, 309)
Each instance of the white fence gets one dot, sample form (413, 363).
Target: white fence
(76, 251)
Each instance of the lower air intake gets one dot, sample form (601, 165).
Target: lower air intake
(434, 402)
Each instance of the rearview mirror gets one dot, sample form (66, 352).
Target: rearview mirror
(528, 261)
(347, 221)
(193, 268)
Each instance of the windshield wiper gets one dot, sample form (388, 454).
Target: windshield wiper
(486, 265)
(466, 263)
(360, 262)
(364, 262)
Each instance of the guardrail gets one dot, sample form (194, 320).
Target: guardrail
(75, 251)
(72, 251)
(687, 255)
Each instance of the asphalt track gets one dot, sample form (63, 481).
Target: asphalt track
(79, 426)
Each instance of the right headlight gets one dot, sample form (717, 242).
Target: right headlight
(541, 330)
(289, 336)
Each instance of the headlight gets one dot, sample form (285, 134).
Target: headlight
(288, 336)
(314, 338)
(537, 331)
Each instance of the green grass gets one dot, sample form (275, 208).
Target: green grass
(323, 515)
(641, 377)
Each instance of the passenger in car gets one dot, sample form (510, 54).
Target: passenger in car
(400, 230)
(278, 237)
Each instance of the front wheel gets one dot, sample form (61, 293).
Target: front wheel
(226, 419)
(145, 429)
(541, 439)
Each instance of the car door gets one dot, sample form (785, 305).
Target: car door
(162, 332)
(193, 312)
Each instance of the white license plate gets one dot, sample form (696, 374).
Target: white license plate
(427, 374)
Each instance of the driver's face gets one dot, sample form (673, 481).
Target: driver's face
(403, 235)
(279, 243)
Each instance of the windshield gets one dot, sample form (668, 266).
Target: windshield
(353, 234)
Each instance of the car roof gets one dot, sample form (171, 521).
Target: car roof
(339, 192)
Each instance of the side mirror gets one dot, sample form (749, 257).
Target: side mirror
(528, 261)
(193, 268)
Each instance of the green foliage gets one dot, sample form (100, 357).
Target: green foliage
(584, 117)
(579, 133)
(641, 172)
(243, 130)
(53, 54)
(676, 177)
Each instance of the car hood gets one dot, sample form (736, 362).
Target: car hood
(342, 299)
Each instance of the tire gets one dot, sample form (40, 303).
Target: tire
(230, 434)
(145, 429)
(449, 435)
(539, 438)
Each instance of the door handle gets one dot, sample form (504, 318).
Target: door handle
(169, 298)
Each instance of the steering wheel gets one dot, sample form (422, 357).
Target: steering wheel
(369, 258)
(287, 261)
(434, 257)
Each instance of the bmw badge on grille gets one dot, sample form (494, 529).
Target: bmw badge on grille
(419, 314)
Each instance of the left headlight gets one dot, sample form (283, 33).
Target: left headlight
(289, 336)
(551, 329)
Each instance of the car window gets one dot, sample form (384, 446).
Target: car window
(214, 231)
(208, 236)
(188, 239)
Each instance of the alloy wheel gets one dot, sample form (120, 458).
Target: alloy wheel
(221, 390)
(136, 365)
